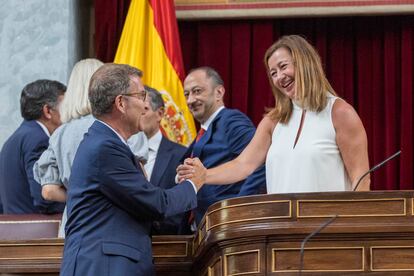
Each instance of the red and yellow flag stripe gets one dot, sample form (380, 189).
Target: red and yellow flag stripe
(150, 42)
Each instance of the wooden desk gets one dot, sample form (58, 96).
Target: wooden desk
(172, 256)
(261, 235)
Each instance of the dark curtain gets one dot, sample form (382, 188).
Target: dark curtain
(109, 20)
(369, 61)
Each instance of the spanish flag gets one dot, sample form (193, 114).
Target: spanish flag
(150, 42)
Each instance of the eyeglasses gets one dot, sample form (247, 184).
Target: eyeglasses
(142, 95)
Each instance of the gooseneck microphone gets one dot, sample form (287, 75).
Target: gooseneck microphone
(305, 240)
(326, 223)
(376, 167)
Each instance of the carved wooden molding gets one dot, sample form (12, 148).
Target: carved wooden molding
(373, 234)
(216, 9)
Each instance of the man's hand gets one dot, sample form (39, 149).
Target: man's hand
(193, 170)
(186, 170)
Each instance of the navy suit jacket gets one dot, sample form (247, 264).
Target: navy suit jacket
(111, 207)
(226, 137)
(19, 192)
(168, 158)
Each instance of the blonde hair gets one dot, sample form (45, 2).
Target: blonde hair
(311, 84)
(76, 103)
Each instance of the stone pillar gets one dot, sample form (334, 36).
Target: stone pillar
(39, 39)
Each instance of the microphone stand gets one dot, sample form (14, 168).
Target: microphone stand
(302, 246)
(320, 228)
(376, 167)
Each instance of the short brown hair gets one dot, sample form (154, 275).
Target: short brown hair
(109, 81)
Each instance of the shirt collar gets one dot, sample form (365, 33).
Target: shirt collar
(155, 141)
(120, 137)
(43, 127)
(211, 118)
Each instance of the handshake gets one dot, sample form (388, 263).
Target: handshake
(193, 170)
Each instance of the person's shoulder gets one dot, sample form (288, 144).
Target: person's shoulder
(12, 143)
(75, 127)
(343, 113)
(173, 145)
(101, 145)
(83, 121)
(342, 108)
(234, 117)
(59, 131)
(100, 135)
(31, 128)
(32, 135)
(231, 112)
(267, 123)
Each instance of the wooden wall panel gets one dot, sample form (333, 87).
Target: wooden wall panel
(392, 258)
(374, 235)
(333, 259)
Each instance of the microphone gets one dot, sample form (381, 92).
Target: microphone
(376, 167)
(305, 240)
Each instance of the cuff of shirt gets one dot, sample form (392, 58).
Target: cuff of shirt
(192, 183)
(194, 186)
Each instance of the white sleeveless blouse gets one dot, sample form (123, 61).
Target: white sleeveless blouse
(314, 164)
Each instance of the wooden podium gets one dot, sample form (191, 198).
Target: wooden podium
(373, 233)
(262, 235)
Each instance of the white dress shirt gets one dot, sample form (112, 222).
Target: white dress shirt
(153, 146)
(211, 119)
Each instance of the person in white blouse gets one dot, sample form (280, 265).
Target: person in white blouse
(53, 168)
(311, 141)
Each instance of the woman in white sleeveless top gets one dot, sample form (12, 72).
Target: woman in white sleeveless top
(311, 141)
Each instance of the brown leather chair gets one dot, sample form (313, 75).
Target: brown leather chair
(29, 226)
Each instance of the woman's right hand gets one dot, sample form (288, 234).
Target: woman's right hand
(193, 170)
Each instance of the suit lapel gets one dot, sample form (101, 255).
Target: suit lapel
(161, 162)
(198, 147)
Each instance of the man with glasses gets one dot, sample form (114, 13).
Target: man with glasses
(39, 106)
(110, 203)
(223, 135)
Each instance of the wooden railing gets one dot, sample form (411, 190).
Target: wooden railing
(372, 233)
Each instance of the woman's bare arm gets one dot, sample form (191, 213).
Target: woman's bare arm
(238, 169)
(352, 142)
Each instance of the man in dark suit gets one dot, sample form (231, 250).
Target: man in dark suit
(39, 106)
(111, 205)
(163, 158)
(223, 135)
